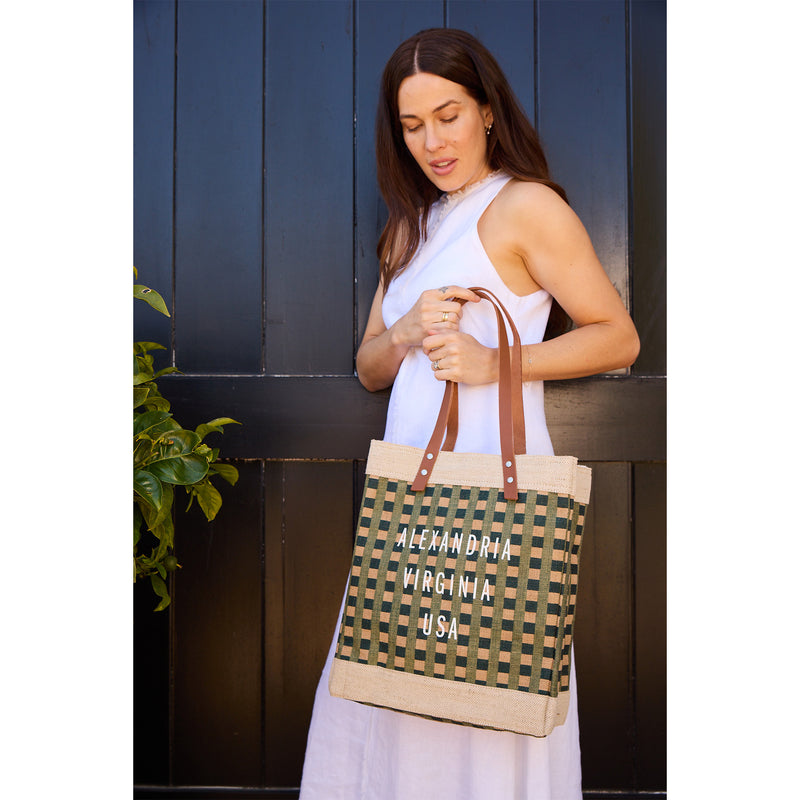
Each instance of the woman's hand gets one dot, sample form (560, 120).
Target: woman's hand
(382, 351)
(434, 312)
(460, 357)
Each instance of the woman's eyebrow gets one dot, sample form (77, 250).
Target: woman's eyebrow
(435, 110)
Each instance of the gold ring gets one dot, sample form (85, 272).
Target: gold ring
(445, 316)
(435, 365)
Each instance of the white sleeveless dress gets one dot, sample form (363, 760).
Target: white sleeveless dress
(356, 752)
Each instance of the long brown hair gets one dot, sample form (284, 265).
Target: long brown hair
(513, 145)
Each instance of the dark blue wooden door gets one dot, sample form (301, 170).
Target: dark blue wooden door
(257, 215)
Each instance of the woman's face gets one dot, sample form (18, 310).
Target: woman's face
(445, 130)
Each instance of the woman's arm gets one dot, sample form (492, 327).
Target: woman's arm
(532, 226)
(559, 256)
(380, 354)
(382, 350)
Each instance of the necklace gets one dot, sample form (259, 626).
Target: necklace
(448, 201)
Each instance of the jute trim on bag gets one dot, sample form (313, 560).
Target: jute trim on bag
(559, 474)
(483, 706)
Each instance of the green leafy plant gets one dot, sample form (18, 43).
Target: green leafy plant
(165, 456)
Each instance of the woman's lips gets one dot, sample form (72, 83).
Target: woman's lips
(443, 166)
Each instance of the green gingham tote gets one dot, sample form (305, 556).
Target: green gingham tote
(464, 575)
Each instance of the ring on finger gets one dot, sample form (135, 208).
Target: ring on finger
(435, 365)
(445, 316)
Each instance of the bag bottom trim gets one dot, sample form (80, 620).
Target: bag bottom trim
(481, 706)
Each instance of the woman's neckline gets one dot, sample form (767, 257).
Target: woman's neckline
(459, 194)
(450, 200)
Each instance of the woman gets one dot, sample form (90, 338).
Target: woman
(470, 203)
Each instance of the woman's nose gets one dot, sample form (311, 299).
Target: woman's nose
(432, 140)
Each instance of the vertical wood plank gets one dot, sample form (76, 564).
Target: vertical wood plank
(153, 107)
(603, 625)
(309, 545)
(649, 182)
(153, 85)
(218, 639)
(218, 193)
(150, 688)
(506, 28)
(309, 195)
(275, 706)
(381, 28)
(650, 513)
(583, 118)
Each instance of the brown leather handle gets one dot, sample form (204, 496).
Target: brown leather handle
(511, 413)
(516, 379)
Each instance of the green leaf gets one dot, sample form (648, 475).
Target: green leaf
(215, 426)
(164, 545)
(180, 470)
(142, 452)
(176, 462)
(140, 348)
(139, 570)
(148, 487)
(226, 472)
(147, 420)
(161, 437)
(155, 402)
(137, 525)
(223, 421)
(160, 588)
(159, 521)
(140, 395)
(167, 371)
(142, 371)
(151, 297)
(180, 442)
(209, 498)
(205, 451)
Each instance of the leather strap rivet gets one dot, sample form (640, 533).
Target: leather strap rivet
(511, 480)
(424, 472)
(429, 456)
(508, 463)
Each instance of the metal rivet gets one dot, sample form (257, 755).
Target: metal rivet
(508, 463)
(511, 480)
(429, 456)
(424, 472)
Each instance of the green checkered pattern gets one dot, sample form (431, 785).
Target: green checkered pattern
(518, 637)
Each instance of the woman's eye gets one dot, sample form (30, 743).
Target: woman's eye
(450, 119)
(412, 130)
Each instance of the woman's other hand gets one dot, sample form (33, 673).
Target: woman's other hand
(460, 357)
(436, 311)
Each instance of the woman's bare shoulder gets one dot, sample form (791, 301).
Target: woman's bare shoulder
(533, 211)
(531, 198)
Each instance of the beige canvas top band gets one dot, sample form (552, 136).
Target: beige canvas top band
(559, 474)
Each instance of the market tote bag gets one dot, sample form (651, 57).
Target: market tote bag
(464, 575)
